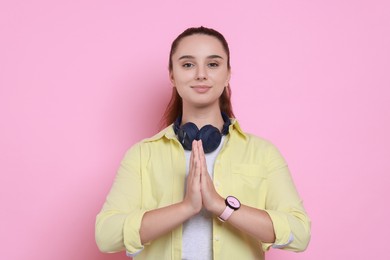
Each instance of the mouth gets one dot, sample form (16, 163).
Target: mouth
(201, 88)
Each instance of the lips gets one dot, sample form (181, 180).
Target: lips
(201, 88)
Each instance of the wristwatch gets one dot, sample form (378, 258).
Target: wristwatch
(232, 204)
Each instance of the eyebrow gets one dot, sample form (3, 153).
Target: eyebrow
(192, 57)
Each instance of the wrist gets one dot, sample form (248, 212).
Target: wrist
(219, 206)
(232, 204)
(188, 210)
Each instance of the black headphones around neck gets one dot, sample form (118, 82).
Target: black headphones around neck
(210, 135)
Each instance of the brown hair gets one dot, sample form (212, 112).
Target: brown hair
(175, 105)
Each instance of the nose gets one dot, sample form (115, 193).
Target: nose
(201, 73)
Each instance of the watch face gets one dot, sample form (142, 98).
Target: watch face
(233, 202)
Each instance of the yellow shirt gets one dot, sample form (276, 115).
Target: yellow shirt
(152, 175)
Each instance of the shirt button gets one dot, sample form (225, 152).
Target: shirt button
(217, 184)
(216, 238)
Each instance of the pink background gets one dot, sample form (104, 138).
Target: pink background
(81, 81)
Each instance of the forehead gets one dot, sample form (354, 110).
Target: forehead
(200, 45)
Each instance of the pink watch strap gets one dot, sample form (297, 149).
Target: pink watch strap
(226, 214)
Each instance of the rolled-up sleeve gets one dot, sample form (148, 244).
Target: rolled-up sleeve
(284, 206)
(118, 223)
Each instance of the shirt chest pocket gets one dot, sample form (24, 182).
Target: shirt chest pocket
(250, 170)
(249, 182)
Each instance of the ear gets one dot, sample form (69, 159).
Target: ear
(171, 78)
(228, 79)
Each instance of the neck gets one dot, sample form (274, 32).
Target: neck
(202, 117)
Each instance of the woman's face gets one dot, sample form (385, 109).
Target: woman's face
(200, 71)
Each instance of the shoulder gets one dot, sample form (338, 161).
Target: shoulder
(158, 141)
(260, 145)
(249, 138)
(244, 141)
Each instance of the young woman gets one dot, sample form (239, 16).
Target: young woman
(202, 188)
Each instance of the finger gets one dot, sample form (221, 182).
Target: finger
(196, 159)
(201, 151)
(195, 149)
(192, 157)
(202, 157)
(194, 170)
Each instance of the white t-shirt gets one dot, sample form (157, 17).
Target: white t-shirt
(198, 231)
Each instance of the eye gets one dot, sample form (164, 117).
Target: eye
(187, 65)
(213, 64)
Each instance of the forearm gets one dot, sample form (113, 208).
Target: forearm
(254, 222)
(158, 222)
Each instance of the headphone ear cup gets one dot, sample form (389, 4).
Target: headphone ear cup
(186, 134)
(211, 138)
